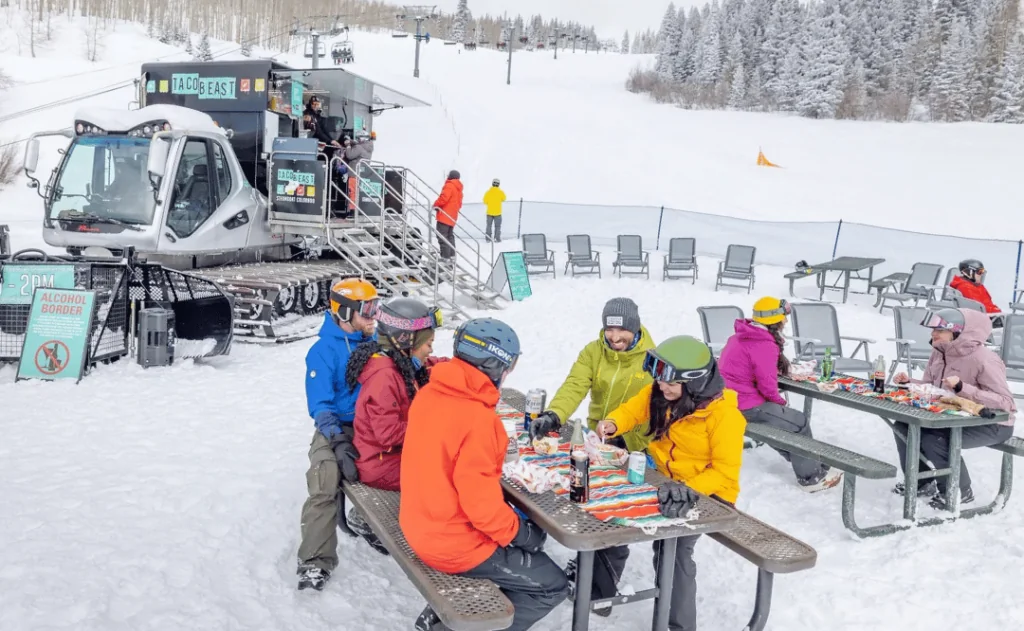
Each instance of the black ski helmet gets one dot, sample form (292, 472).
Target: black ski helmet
(972, 268)
(489, 345)
(454, 175)
(399, 320)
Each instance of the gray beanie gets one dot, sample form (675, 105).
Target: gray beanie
(623, 313)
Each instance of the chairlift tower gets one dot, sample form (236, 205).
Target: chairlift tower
(314, 44)
(510, 31)
(419, 13)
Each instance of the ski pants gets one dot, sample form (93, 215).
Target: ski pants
(786, 418)
(532, 582)
(319, 544)
(446, 240)
(495, 222)
(935, 447)
(609, 564)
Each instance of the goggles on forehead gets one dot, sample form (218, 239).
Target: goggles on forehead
(933, 320)
(661, 370)
(784, 310)
(433, 320)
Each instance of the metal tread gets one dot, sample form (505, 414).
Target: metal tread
(1013, 446)
(766, 547)
(844, 459)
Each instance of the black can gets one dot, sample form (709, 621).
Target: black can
(579, 477)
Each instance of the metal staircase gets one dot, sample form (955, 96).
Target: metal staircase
(398, 251)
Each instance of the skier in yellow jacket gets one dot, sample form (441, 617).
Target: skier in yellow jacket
(493, 199)
(610, 369)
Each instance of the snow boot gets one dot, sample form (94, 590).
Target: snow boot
(361, 528)
(930, 489)
(313, 576)
(429, 621)
(826, 480)
(938, 502)
(570, 575)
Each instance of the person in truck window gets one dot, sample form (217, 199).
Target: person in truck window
(970, 285)
(961, 363)
(314, 109)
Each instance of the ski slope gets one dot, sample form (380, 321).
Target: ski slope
(169, 499)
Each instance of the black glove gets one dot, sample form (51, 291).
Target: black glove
(988, 413)
(530, 536)
(675, 499)
(347, 455)
(544, 424)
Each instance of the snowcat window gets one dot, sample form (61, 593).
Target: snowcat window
(223, 169)
(192, 201)
(104, 176)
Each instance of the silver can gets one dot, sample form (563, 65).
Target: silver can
(536, 399)
(637, 467)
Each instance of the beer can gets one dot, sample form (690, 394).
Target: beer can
(536, 399)
(579, 477)
(637, 467)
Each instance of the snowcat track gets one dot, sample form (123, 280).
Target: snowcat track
(274, 301)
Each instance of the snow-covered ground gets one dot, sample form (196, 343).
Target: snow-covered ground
(169, 498)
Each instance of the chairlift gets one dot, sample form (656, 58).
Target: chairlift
(321, 49)
(523, 39)
(342, 53)
(502, 45)
(540, 45)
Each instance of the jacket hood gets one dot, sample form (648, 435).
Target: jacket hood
(640, 348)
(747, 330)
(977, 329)
(458, 379)
(456, 184)
(330, 329)
(377, 363)
(710, 386)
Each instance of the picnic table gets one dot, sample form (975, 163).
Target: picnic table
(849, 268)
(916, 419)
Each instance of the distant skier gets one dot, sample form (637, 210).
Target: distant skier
(447, 207)
(332, 454)
(493, 199)
(969, 284)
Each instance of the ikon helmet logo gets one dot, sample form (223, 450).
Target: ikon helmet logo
(500, 353)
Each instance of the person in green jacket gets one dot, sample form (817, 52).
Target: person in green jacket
(610, 368)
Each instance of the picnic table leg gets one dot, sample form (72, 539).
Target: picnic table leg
(666, 574)
(821, 286)
(762, 602)
(808, 406)
(584, 585)
(791, 281)
(913, 447)
(846, 285)
(953, 486)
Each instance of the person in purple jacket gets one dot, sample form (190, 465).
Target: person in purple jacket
(959, 363)
(751, 363)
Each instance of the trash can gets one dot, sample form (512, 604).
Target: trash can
(156, 337)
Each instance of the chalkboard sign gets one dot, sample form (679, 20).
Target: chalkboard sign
(510, 271)
(298, 186)
(56, 343)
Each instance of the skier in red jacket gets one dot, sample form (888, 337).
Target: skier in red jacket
(970, 286)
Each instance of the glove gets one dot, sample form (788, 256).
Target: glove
(530, 537)
(675, 499)
(544, 424)
(347, 455)
(987, 413)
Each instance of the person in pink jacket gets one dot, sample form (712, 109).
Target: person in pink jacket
(960, 362)
(751, 363)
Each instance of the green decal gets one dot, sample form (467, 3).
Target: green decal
(57, 339)
(297, 105)
(357, 124)
(19, 281)
(185, 83)
(217, 88)
(150, 86)
(372, 188)
(308, 179)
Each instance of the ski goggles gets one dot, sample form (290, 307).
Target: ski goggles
(933, 320)
(784, 310)
(366, 308)
(662, 370)
(433, 320)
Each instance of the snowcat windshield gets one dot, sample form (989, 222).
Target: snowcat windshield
(104, 177)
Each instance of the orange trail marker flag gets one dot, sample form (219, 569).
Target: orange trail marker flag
(763, 161)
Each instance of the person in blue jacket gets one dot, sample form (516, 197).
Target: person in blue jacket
(332, 405)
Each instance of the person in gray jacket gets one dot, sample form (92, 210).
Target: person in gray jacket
(361, 149)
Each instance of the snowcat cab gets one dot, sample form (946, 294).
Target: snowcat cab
(189, 179)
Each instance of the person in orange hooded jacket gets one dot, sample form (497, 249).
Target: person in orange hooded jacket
(447, 206)
(452, 511)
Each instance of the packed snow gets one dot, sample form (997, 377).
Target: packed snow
(169, 498)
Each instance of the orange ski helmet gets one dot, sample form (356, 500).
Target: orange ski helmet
(354, 295)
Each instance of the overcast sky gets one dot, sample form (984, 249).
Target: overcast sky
(609, 17)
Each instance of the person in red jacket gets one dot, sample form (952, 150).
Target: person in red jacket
(453, 512)
(970, 286)
(391, 371)
(447, 206)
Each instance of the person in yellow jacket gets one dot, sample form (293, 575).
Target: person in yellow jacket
(493, 199)
(610, 368)
(697, 431)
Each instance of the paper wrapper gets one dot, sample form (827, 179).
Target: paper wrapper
(964, 404)
(534, 478)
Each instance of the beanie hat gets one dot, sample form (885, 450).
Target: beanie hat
(622, 313)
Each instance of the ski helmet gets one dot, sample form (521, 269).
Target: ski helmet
(353, 295)
(454, 175)
(680, 359)
(768, 310)
(945, 319)
(496, 182)
(972, 268)
(489, 345)
(399, 321)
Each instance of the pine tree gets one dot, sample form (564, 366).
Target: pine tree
(462, 19)
(855, 95)
(826, 54)
(950, 94)
(709, 51)
(1008, 99)
(668, 42)
(685, 61)
(738, 78)
(625, 43)
(203, 52)
(755, 90)
(188, 46)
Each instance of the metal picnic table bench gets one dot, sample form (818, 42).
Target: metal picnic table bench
(770, 550)
(916, 419)
(849, 268)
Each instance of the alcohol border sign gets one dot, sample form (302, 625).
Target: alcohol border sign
(510, 271)
(56, 342)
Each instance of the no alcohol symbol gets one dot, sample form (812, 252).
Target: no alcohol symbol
(52, 357)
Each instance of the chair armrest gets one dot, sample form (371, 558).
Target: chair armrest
(721, 266)
(597, 256)
(864, 340)
(805, 340)
(647, 256)
(551, 254)
(900, 340)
